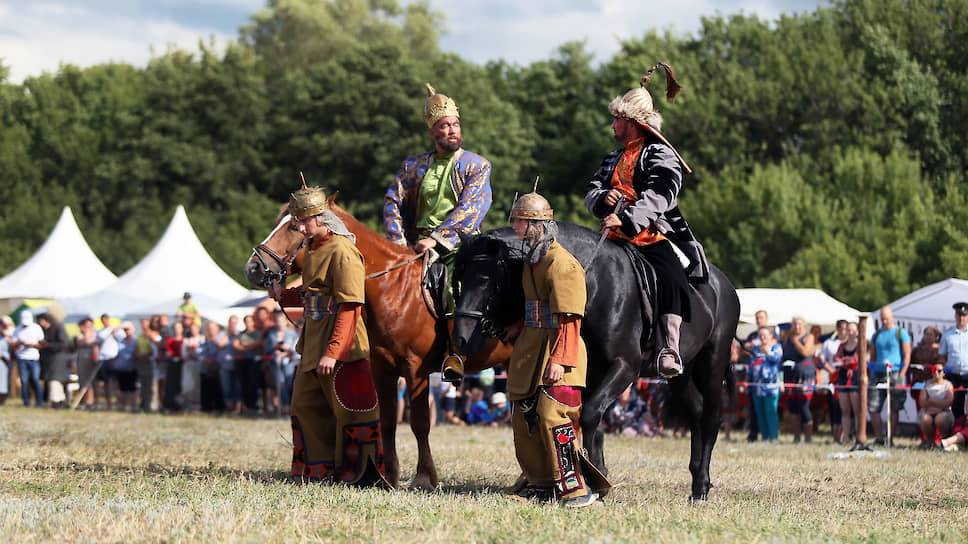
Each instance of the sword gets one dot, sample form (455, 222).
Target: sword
(601, 239)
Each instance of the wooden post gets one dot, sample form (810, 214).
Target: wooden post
(862, 380)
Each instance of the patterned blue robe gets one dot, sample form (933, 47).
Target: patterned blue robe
(471, 181)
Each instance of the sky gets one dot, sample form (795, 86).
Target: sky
(37, 36)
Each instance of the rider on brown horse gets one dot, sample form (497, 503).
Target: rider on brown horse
(635, 192)
(437, 194)
(335, 416)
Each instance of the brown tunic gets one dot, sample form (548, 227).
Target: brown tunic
(559, 280)
(334, 269)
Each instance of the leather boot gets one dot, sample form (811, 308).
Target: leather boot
(453, 369)
(669, 362)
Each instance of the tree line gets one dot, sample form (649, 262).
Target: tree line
(829, 147)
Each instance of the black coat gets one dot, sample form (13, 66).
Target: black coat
(53, 357)
(657, 181)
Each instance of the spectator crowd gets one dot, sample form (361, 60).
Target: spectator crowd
(161, 364)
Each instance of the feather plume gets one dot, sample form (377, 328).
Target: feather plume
(673, 88)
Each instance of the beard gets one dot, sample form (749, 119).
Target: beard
(449, 145)
(537, 240)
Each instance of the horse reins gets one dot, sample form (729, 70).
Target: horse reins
(396, 266)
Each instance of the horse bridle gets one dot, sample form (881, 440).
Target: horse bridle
(268, 275)
(486, 323)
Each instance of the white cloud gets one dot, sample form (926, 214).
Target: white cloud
(39, 35)
(525, 32)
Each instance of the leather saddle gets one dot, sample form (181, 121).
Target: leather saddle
(433, 284)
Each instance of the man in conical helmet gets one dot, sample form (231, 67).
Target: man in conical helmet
(546, 373)
(438, 194)
(635, 192)
(335, 416)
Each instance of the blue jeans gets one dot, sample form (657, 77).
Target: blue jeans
(30, 377)
(287, 372)
(231, 391)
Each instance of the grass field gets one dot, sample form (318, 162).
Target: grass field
(107, 477)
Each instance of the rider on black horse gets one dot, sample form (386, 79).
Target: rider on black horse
(635, 193)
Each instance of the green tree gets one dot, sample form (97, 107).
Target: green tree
(297, 35)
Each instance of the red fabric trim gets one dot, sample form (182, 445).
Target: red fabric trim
(317, 243)
(565, 394)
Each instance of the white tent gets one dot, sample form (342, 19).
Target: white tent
(816, 307)
(64, 266)
(928, 306)
(178, 263)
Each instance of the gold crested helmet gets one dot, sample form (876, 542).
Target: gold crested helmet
(307, 202)
(637, 104)
(438, 106)
(532, 206)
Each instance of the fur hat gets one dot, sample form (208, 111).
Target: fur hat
(637, 104)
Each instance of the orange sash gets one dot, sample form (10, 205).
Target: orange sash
(622, 180)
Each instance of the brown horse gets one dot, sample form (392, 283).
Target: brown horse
(405, 339)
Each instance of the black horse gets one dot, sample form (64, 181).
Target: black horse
(490, 299)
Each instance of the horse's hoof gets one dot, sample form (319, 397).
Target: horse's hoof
(698, 498)
(422, 483)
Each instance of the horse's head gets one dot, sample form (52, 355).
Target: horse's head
(487, 290)
(278, 255)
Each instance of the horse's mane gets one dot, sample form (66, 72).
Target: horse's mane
(367, 238)
(283, 211)
(569, 235)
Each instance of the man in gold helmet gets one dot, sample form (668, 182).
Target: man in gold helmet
(635, 192)
(439, 193)
(335, 417)
(546, 373)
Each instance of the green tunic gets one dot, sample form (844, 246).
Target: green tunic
(559, 280)
(437, 197)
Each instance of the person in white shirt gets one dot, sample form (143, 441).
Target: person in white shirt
(26, 342)
(954, 352)
(109, 345)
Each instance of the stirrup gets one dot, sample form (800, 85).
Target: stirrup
(670, 372)
(452, 370)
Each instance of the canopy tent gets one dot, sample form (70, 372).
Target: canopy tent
(178, 263)
(64, 266)
(815, 306)
(38, 306)
(928, 306)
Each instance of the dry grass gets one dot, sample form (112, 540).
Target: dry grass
(100, 477)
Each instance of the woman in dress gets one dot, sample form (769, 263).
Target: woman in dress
(848, 378)
(85, 359)
(798, 347)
